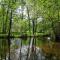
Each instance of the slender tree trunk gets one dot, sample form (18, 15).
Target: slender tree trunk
(10, 23)
(1, 57)
(5, 56)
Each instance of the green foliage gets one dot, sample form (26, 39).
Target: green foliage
(49, 10)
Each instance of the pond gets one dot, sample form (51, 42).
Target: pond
(24, 50)
(27, 49)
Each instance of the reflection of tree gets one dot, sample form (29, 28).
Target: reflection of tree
(29, 22)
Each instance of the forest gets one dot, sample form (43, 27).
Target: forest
(33, 25)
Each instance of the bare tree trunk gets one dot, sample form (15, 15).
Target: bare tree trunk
(10, 23)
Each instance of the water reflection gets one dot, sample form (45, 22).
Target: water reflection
(27, 49)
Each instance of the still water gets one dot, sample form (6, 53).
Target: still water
(25, 49)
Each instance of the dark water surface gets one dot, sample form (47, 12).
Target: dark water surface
(24, 49)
